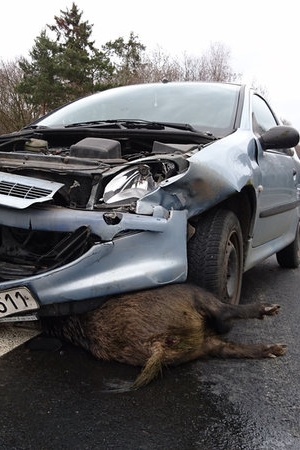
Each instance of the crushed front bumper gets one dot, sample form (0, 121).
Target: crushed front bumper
(134, 252)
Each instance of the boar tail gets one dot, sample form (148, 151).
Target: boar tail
(152, 367)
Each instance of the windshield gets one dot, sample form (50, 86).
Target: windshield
(208, 107)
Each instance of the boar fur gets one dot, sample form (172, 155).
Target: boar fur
(164, 326)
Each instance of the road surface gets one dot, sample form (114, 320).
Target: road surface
(57, 399)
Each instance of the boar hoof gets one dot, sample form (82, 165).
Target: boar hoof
(275, 350)
(270, 310)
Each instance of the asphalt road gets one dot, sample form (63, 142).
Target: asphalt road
(57, 399)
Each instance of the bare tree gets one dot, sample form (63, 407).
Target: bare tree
(215, 59)
(212, 65)
(159, 65)
(14, 112)
(194, 68)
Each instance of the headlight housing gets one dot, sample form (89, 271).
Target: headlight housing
(131, 184)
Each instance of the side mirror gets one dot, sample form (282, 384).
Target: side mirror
(280, 137)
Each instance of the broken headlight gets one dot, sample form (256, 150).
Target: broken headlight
(131, 184)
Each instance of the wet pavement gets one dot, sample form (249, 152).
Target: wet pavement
(57, 400)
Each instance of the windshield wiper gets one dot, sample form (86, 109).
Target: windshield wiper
(133, 124)
(117, 123)
(95, 123)
(35, 127)
(152, 125)
(142, 124)
(157, 125)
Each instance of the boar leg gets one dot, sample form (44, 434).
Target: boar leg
(220, 315)
(216, 347)
(250, 311)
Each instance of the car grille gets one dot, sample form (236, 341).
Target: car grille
(25, 252)
(22, 190)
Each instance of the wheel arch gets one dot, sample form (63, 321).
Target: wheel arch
(243, 205)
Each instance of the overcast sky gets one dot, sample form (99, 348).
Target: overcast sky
(262, 35)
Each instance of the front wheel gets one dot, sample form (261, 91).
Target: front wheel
(215, 255)
(289, 256)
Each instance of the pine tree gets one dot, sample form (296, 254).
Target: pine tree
(82, 66)
(127, 57)
(40, 84)
(67, 67)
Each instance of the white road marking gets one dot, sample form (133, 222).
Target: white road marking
(13, 335)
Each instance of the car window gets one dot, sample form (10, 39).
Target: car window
(209, 107)
(262, 117)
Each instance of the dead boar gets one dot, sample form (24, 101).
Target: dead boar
(168, 325)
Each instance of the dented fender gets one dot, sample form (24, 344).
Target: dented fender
(204, 184)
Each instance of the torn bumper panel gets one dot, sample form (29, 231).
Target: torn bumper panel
(135, 253)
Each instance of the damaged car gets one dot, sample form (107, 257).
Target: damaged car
(140, 186)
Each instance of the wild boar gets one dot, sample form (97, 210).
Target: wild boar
(168, 325)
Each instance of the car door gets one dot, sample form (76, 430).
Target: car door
(277, 181)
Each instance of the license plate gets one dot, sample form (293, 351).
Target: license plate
(17, 300)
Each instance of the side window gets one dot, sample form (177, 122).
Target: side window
(262, 117)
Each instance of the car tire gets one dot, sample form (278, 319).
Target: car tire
(289, 257)
(215, 255)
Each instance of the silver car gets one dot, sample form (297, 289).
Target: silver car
(140, 186)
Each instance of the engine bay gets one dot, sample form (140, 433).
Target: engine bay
(90, 174)
(85, 168)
